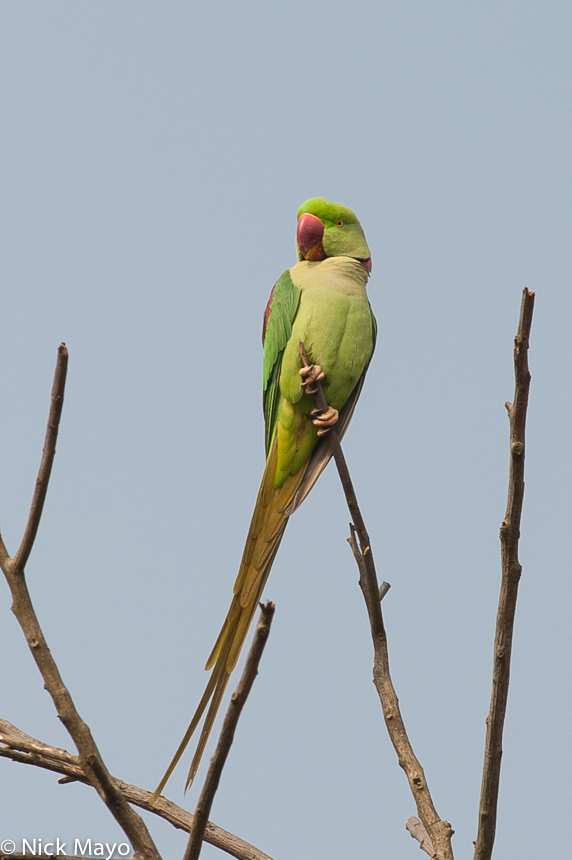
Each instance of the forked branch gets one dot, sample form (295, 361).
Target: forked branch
(20, 747)
(440, 831)
(511, 570)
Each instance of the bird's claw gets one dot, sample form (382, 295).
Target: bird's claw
(310, 374)
(325, 419)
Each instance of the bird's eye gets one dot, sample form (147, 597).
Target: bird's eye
(340, 223)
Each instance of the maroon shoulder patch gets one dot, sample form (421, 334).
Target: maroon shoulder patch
(267, 314)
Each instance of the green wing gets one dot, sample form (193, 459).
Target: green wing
(278, 318)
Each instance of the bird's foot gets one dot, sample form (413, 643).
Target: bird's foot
(310, 374)
(325, 419)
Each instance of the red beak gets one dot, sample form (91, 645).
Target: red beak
(309, 237)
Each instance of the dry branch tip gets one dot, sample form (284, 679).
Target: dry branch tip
(511, 571)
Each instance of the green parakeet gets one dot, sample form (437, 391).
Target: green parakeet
(322, 302)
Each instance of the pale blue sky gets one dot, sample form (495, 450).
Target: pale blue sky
(153, 156)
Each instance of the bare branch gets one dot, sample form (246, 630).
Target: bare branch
(90, 758)
(439, 831)
(226, 738)
(20, 747)
(511, 570)
(42, 481)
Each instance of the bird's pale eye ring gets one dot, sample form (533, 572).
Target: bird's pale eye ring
(340, 223)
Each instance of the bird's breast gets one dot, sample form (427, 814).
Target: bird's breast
(334, 323)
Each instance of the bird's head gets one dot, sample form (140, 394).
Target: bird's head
(330, 230)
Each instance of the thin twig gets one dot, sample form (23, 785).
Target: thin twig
(440, 831)
(92, 764)
(226, 738)
(20, 747)
(511, 570)
(42, 481)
